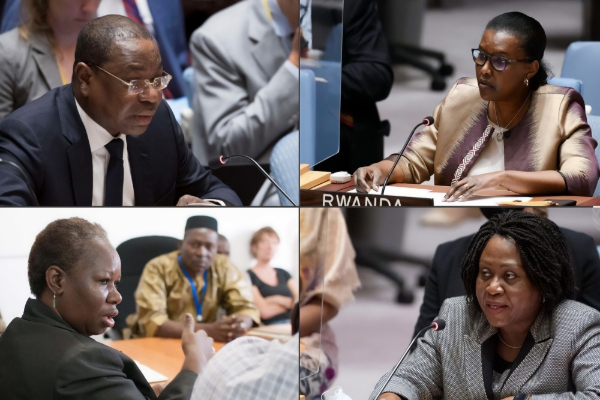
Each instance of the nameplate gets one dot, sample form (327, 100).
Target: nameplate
(320, 198)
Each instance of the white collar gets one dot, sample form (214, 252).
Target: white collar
(97, 135)
(281, 25)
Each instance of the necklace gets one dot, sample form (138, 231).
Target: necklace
(500, 134)
(512, 347)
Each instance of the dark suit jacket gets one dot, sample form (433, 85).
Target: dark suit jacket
(445, 280)
(367, 78)
(44, 358)
(48, 140)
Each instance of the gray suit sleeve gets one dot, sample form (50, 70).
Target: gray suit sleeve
(8, 80)
(94, 373)
(227, 120)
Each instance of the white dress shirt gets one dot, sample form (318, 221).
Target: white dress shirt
(98, 138)
(116, 7)
(283, 30)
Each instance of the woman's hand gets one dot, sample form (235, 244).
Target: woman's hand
(367, 178)
(197, 347)
(465, 188)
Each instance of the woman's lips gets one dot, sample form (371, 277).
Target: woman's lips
(495, 308)
(484, 85)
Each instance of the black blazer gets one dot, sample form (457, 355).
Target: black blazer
(445, 280)
(48, 140)
(42, 357)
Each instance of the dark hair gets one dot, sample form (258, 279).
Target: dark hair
(62, 243)
(257, 236)
(544, 253)
(532, 38)
(97, 38)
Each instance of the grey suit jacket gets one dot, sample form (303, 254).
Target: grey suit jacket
(244, 97)
(28, 70)
(563, 361)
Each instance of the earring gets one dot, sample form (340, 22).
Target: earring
(54, 300)
(526, 82)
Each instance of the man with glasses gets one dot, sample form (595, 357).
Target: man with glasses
(107, 139)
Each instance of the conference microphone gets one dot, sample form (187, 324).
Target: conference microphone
(25, 178)
(437, 325)
(426, 121)
(222, 160)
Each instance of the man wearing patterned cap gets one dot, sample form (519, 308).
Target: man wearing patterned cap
(197, 280)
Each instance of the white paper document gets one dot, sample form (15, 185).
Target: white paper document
(438, 197)
(151, 375)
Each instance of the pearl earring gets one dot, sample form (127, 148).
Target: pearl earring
(526, 82)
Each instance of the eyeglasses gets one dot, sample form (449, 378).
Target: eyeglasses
(499, 63)
(137, 86)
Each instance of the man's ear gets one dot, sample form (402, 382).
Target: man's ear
(83, 72)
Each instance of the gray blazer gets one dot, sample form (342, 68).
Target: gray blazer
(244, 97)
(27, 70)
(563, 361)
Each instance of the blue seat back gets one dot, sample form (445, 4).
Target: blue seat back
(285, 167)
(567, 82)
(582, 61)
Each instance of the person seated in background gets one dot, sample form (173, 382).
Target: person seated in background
(223, 246)
(273, 289)
(516, 334)
(196, 280)
(73, 273)
(253, 368)
(107, 138)
(246, 95)
(367, 77)
(328, 278)
(505, 128)
(163, 19)
(38, 55)
(444, 281)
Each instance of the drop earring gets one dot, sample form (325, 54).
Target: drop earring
(54, 300)
(526, 82)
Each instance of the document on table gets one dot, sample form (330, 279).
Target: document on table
(478, 201)
(151, 375)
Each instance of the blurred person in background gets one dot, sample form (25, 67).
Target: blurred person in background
(223, 246)
(505, 128)
(246, 95)
(367, 78)
(324, 241)
(39, 54)
(273, 289)
(196, 280)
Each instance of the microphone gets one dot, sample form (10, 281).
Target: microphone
(426, 121)
(25, 178)
(437, 325)
(222, 160)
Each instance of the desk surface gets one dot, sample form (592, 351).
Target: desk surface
(344, 187)
(165, 355)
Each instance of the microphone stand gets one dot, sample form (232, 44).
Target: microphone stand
(438, 324)
(224, 159)
(426, 121)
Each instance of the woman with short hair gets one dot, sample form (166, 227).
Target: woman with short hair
(73, 273)
(505, 128)
(516, 334)
(38, 55)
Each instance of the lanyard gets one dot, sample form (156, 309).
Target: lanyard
(267, 9)
(194, 290)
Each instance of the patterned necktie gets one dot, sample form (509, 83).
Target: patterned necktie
(132, 11)
(471, 155)
(114, 174)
